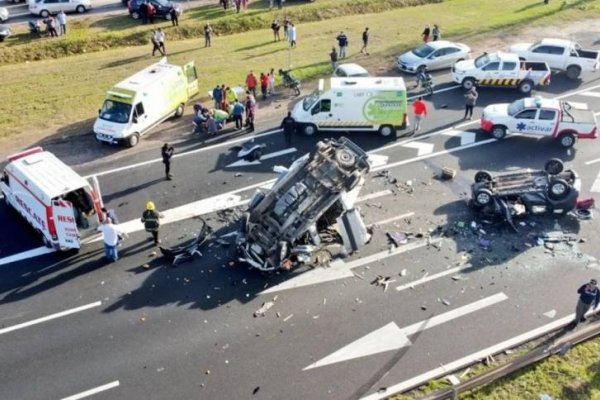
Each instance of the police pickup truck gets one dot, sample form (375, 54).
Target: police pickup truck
(560, 54)
(566, 122)
(501, 69)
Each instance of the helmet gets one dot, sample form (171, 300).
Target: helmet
(150, 205)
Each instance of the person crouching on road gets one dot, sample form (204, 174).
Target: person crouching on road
(588, 295)
(110, 235)
(150, 219)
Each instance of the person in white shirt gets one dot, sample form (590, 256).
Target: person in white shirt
(158, 40)
(62, 22)
(110, 235)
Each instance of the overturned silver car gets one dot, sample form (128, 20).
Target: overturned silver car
(308, 216)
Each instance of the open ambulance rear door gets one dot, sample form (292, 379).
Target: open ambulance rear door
(66, 225)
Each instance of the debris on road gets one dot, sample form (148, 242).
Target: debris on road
(447, 173)
(383, 281)
(256, 389)
(403, 272)
(288, 318)
(262, 310)
(397, 238)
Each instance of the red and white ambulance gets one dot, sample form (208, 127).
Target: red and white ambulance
(60, 205)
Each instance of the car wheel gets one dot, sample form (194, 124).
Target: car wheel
(482, 197)
(573, 72)
(135, 15)
(179, 111)
(468, 83)
(44, 13)
(133, 140)
(80, 9)
(526, 87)
(567, 140)
(483, 176)
(554, 166)
(386, 130)
(345, 158)
(558, 189)
(309, 130)
(498, 132)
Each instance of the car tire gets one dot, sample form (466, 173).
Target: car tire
(135, 15)
(468, 83)
(554, 166)
(558, 189)
(44, 13)
(482, 197)
(567, 140)
(133, 140)
(309, 130)
(80, 9)
(483, 176)
(526, 86)
(498, 132)
(345, 158)
(573, 72)
(179, 111)
(386, 130)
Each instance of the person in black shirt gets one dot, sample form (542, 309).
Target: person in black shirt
(365, 40)
(174, 16)
(167, 153)
(588, 295)
(289, 127)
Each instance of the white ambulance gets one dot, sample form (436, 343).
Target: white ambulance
(59, 204)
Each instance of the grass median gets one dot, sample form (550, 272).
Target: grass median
(57, 95)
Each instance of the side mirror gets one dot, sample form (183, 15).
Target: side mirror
(134, 119)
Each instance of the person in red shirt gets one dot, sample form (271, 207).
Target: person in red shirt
(420, 111)
(264, 84)
(251, 83)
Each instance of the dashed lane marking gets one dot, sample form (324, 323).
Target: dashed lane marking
(590, 94)
(93, 391)
(422, 148)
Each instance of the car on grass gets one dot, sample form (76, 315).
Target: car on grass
(43, 8)
(3, 14)
(308, 216)
(433, 55)
(4, 32)
(350, 70)
(552, 190)
(162, 7)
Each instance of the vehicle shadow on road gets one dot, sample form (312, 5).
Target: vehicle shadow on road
(130, 190)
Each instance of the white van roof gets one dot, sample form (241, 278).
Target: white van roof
(45, 174)
(368, 83)
(149, 75)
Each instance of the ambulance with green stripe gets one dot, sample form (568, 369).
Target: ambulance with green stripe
(501, 70)
(354, 104)
(137, 104)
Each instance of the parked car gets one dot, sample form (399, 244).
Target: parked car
(308, 216)
(517, 194)
(560, 55)
(3, 14)
(162, 8)
(350, 70)
(433, 55)
(4, 32)
(43, 8)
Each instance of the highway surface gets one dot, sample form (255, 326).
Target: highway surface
(73, 327)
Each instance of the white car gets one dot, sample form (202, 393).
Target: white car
(43, 8)
(350, 70)
(433, 55)
(3, 14)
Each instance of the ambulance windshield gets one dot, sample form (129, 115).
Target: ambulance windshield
(115, 111)
(311, 99)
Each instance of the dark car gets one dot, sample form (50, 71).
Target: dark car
(550, 191)
(162, 8)
(4, 32)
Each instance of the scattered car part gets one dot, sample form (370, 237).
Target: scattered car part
(187, 250)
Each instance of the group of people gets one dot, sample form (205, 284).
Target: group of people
(289, 31)
(431, 34)
(54, 26)
(237, 4)
(265, 80)
(343, 42)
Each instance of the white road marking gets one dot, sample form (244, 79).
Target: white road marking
(429, 278)
(591, 94)
(93, 391)
(50, 317)
(596, 185)
(421, 147)
(26, 254)
(375, 195)
(392, 219)
(390, 337)
(470, 359)
(377, 160)
(466, 137)
(569, 94)
(243, 163)
(416, 96)
(597, 160)
(339, 269)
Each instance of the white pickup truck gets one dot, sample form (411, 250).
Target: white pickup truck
(561, 120)
(560, 55)
(501, 69)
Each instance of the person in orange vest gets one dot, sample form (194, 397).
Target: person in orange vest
(420, 111)
(251, 83)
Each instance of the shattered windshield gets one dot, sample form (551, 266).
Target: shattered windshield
(115, 111)
(311, 99)
(515, 107)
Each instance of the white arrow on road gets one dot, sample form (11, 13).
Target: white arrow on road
(466, 137)
(243, 163)
(391, 337)
(422, 147)
(377, 160)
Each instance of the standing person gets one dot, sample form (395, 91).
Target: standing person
(279, 4)
(276, 27)
(150, 219)
(251, 83)
(426, 33)
(151, 10)
(264, 84)
(50, 26)
(272, 81)
(289, 127)
(208, 32)
(588, 295)
(144, 12)
(292, 34)
(212, 124)
(167, 153)
(217, 95)
(110, 237)
(230, 95)
(420, 111)
(471, 99)
(159, 42)
(110, 213)
(224, 3)
(250, 110)
(62, 22)
(238, 5)
(334, 57)
(342, 40)
(238, 114)
(435, 32)
(245, 4)
(365, 40)
(286, 26)
(174, 16)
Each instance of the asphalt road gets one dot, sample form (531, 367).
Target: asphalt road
(189, 332)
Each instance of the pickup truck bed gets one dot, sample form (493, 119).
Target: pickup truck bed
(580, 116)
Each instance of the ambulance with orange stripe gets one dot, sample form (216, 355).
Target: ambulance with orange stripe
(59, 204)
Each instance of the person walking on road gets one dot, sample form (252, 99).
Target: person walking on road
(334, 57)
(342, 40)
(238, 114)
(62, 22)
(365, 40)
(110, 237)
(250, 112)
(471, 97)
(150, 219)
(420, 111)
(588, 295)
(289, 127)
(167, 152)
(208, 33)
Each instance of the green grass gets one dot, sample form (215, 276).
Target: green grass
(42, 96)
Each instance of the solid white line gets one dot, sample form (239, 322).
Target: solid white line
(592, 161)
(375, 195)
(278, 153)
(428, 278)
(591, 94)
(562, 96)
(470, 359)
(26, 254)
(388, 220)
(50, 317)
(93, 391)
(596, 185)
(416, 96)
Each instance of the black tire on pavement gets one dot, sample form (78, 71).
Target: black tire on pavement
(554, 166)
(558, 189)
(483, 176)
(482, 197)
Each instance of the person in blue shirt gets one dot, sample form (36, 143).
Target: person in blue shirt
(238, 114)
(217, 95)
